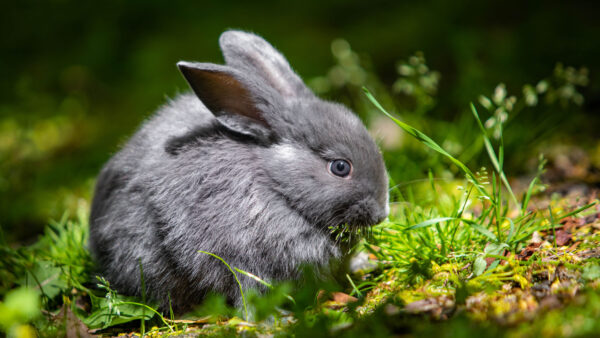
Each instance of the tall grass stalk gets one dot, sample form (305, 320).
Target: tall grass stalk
(234, 276)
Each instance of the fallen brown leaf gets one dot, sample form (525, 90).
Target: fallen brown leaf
(74, 328)
(343, 298)
(529, 250)
(574, 246)
(334, 299)
(563, 237)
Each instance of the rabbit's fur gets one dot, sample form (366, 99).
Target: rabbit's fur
(240, 169)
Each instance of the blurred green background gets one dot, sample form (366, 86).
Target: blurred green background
(78, 77)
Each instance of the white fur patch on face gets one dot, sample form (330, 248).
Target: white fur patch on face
(286, 151)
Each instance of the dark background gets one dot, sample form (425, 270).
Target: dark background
(78, 77)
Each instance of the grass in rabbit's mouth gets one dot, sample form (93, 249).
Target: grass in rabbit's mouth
(470, 255)
(349, 234)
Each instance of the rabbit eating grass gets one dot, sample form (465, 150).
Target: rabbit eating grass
(251, 166)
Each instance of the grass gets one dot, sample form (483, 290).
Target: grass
(236, 280)
(506, 232)
(460, 256)
(417, 241)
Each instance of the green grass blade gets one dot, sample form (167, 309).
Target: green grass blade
(501, 151)
(511, 233)
(481, 229)
(354, 288)
(430, 222)
(528, 194)
(144, 306)
(236, 279)
(142, 320)
(262, 281)
(426, 140)
(255, 277)
(492, 155)
(578, 210)
(553, 225)
(462, 208)
(171, 313)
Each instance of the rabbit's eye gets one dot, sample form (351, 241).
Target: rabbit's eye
(340, 168)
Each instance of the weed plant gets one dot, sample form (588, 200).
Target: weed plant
(420, 235)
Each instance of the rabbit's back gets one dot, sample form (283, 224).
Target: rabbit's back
(122, 223)
(143, 152)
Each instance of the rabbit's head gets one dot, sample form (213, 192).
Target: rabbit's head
(315, 154)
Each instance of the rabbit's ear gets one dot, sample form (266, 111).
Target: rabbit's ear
(230, 96)
(251, 53)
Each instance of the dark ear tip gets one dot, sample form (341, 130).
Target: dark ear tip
(184, 65)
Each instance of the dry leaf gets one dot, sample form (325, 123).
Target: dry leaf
(343, 298)
(562, 237)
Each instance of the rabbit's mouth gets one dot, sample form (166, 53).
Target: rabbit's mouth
(357, 221)
(364, 214)
(345, 233)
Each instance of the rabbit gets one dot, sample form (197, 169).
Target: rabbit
(250, 166)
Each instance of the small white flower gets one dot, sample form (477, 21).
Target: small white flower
(541, 87)
(499, 94)
(485, 102)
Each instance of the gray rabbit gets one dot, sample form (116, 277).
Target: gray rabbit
(252, 167)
